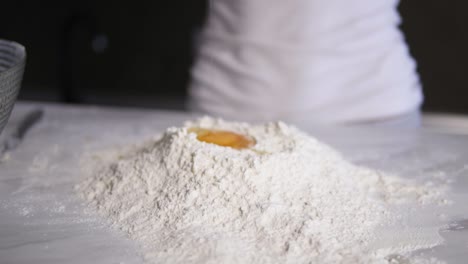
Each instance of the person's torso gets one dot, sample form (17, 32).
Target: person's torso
(332, 61)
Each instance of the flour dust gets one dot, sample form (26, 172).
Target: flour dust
(288, 199)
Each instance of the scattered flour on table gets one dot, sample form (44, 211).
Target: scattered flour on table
(287, 199)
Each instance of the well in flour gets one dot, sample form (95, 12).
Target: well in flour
(287, 198)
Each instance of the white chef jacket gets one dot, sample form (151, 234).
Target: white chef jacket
(332, 61)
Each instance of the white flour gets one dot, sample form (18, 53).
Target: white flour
(290, 199)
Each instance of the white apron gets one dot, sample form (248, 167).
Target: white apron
(333, 61)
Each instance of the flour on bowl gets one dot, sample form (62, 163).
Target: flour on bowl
(283, 197)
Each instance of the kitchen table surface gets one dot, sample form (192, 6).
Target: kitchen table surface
(42, 220)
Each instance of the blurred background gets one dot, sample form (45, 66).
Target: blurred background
(124, 53)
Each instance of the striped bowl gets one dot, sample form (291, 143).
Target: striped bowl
(12, 62)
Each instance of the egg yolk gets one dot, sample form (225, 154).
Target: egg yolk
(223, 138)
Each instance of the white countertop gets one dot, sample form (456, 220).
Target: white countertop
(42, 220)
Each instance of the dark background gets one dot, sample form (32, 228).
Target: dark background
(139, 53)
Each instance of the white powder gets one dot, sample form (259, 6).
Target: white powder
(289, 199)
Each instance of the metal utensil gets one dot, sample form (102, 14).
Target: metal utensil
(20, 131)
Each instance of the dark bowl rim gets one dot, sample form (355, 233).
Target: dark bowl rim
(22, 58)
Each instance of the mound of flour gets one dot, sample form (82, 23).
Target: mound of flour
(288, 199)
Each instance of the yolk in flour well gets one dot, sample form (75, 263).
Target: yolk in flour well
(223, 138)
